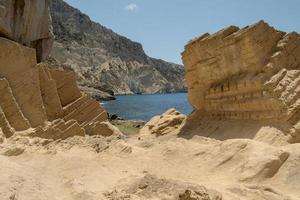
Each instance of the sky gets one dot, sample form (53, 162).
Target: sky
(163, 27)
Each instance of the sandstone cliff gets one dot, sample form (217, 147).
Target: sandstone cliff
(106, 60)
(250, 74)
(37, 99)
(27, 22)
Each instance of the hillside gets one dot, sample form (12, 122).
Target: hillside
(106, 60)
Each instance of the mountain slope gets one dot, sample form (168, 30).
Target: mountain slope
(104, 59)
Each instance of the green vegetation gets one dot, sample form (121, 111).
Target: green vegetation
(128, 127)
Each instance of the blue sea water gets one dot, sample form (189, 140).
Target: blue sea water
(144, 107)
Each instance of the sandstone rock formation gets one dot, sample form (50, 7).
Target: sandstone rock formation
(249, 74)
(41, 109)
(18, 67)
(72, 112)
(105, 60)
(168, 122)
(29, 23)
(37, 99)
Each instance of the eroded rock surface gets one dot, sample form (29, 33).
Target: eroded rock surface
(168, 122)
(38, 99)
(29, 23)
(246, 74)
(18, 67)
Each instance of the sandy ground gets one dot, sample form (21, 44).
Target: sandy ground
(147, 168)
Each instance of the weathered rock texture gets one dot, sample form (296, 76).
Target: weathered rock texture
(168, 122)
(251, 74)
(105, 60)
(29, 23)
(36, 99)
(72, 112)
(18, 66)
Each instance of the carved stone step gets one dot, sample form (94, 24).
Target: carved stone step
(11, 109)
(6, 128)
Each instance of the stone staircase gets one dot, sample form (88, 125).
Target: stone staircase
(38, 99)
(59, 111)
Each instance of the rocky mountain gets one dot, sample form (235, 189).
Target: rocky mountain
(105, 60)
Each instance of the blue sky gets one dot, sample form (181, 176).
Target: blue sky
(165, 26)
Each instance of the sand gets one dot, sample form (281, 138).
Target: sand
(95, 167)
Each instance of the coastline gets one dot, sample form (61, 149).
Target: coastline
(158, 93)
(144, 107)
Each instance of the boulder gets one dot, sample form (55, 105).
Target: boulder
(27, 22)
(168, 122)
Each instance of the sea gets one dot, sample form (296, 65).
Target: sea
(144, 107)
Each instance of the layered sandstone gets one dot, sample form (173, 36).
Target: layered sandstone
(250, 74)
(29, 23)
(71, 112)
(44, 98)
(18, 66)
(38, 99)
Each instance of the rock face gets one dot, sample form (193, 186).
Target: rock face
(18, 67)
(38, 99)
(250, 74)
(73, 113)
(29, 23)
(105, 60)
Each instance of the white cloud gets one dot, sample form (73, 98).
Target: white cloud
(131, 7)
